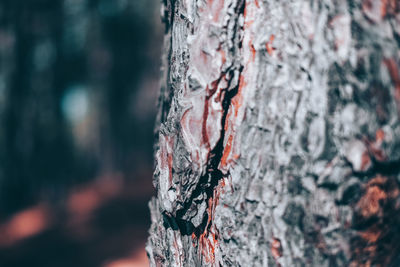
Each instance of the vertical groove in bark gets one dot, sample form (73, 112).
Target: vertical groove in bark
(278, 134)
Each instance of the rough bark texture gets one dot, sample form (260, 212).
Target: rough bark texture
(278, 134)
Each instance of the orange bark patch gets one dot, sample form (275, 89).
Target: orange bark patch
(223, 56)
(374, 147)
(231, 117)
(237, 100)
(380, 134)
(383, 8)
(226, 126)
(365, 161)
(377, 153)
(227, 151)
(268, 45)
(369, 204)
(389, 7)
(376, 215)
(208, 240)
(276, 248)
(253, 51)
(372, 235)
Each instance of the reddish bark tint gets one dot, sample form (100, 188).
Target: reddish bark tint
(268, 45)
(276, 248)
(376, 216)
(274, 100)
(208, 240)
(377, 10)
(377, 222)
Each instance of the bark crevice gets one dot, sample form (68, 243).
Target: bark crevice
(212, 175)
(210, 179)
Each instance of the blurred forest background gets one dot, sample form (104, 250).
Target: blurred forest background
(78, 87)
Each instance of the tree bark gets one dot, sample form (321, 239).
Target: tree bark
(278, 134)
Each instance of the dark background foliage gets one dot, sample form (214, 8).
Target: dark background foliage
(78, 83)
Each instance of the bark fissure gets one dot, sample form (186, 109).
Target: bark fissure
(210, 179)
(212, 176)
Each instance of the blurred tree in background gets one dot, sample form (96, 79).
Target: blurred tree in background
(77, 86)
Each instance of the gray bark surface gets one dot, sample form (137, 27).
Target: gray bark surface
(278, 134)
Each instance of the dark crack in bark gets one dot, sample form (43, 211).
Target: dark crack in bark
(210, 179)
(213, 175)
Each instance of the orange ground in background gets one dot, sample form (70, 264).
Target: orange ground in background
(103, 223)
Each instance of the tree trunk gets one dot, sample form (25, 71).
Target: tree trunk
(278, 134)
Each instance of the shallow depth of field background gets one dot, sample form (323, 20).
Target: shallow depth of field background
(78, 89)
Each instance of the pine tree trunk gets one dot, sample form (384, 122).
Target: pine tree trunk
(278, 134)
